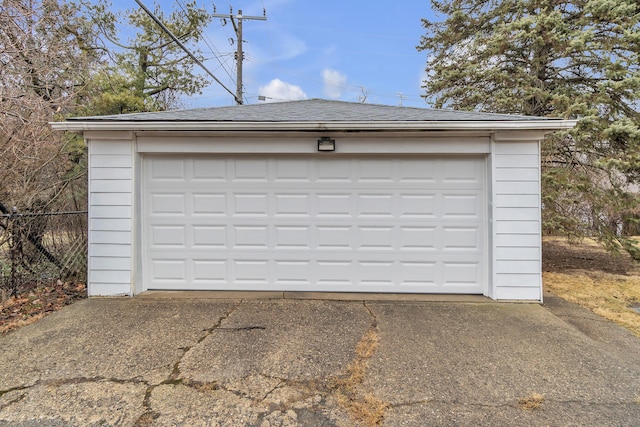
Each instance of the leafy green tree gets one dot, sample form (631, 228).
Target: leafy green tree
(574, 59)
(148, 71)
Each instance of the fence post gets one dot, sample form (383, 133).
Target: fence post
(13, 250)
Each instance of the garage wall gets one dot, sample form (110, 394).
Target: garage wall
(516, 220)
(513, 237)
(110, 214)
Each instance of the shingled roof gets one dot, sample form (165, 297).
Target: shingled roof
(312, 115)
(311, 110)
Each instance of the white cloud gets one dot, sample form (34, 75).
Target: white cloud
(277, 90)
(334, 82)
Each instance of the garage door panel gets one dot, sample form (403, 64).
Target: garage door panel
(461, 239)
(335, 237)
(375, 238)
(173, 270)
(250, 271)
(168, 203)
(292, 172)
(417, 274)
(250, 204)
(249, 237)
(317, 224)
(376, 171)
(375, 205)
(292, 237)
(467, 171)
(254, 170)
(420, 172)
(292, 205)
(210, 204)
(334, 204)
(209, 236)
(417, 206)
(418, 238)
(331, 171)
(333, 272)
(460, 274)
(210, 270)
(374, 273)
(168, 236)
(461, 205)
(167, 169)
(214, 170)
(291, 271)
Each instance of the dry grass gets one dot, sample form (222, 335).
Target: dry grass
(531, 402)
(608, 295)
(364, 409)
(584, 273)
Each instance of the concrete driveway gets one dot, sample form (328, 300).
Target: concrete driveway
(288, 362)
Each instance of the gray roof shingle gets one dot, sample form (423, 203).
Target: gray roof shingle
(310, 110)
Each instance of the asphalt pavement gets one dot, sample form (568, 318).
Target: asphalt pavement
(272, 361)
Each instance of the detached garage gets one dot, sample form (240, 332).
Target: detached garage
(315, 195)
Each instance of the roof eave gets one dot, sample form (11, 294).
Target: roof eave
(524, 125)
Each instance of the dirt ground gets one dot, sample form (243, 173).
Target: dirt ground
(35, 302)
(558, 256)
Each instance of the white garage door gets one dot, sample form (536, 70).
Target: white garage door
(314, 223)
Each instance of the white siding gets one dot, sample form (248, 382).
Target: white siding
(110, 216)
(516, 226)
(513, 194)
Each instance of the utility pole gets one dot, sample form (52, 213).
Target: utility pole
(237, 27)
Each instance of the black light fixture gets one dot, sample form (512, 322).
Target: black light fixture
(326, 144)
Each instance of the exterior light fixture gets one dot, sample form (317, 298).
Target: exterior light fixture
(326, 144)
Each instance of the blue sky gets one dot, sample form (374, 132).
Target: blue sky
(344, 50)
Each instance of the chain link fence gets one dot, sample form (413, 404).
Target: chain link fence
(41, 247)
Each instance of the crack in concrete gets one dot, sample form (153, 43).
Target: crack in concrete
(242, 329)
(74, 380)
(342, 388)
(224, 317)
(17, 399)
(20, 387)
(149, 415)
(274, 388)
(11, 402)
(65, 381)
(374, 323)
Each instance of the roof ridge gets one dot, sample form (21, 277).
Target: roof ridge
(311, 110)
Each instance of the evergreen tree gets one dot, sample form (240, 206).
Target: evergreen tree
(574, 59)
(148, 71)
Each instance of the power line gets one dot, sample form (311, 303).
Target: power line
(184, 48)
(237, 26)
(207, 41)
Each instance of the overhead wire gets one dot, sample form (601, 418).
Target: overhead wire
(209, 43)
(179, 43)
